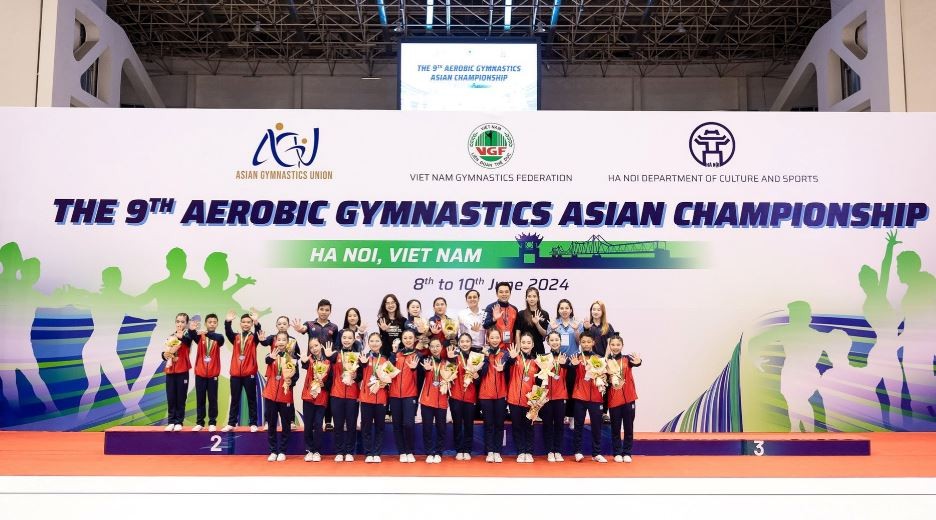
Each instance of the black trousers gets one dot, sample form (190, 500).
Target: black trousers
(312, 434)
(594, 415)
(373, 420)
(403, 413)
(553, 413)
(285, 412)
(433, 417)
(345, 412)
(522, 429)
(623, 416)
(176, 389)
(206, 387)
(493, 411)
(462, 424)
(249, 385)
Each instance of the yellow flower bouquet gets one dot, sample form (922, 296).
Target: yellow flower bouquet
(537, 398)
(597, 370)
(384, 375)
(614, 370)
(349, 365)
(319, 371)
(447, 374)
(172, 346)
(545, 364)
(473, 367)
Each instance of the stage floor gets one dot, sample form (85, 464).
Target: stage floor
(74, 454)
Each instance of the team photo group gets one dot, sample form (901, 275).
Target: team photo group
(496, 364)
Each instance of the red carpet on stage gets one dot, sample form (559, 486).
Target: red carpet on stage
(58, 453)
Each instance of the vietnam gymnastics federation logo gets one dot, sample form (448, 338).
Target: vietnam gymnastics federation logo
(288, 149)
(712, 144)
(490, 145)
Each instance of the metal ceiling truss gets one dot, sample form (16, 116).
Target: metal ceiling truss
(642, 33)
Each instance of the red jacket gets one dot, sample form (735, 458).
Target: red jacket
(506, 323)
(431, 395)
(628, 391)
(338, 388)
(493, 385)
(274, 390)
(181, 364)
(585, 390)
(522, 379)
(459, 392)
(365, 395)
(322, 398)
(247, 366)
(208, 347)
(557, 380)
(404, 384)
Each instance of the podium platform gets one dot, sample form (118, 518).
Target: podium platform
(152, 440)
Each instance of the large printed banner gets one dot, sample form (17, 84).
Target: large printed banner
(773, 271)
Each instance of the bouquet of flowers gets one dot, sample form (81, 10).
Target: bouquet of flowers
(472, 367)
(614, 370)
(537, 398)
(450, 328)
(545, 364)
(383, 376)
(172, 346)
(447, 374)
(349, 364)
(597, 370)
(289, 370)
(319, 371)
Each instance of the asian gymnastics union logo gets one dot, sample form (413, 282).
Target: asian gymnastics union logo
(288, 149)
(490, 145)
(712, 144)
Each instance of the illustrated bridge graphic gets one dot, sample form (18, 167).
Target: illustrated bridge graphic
(597, 246)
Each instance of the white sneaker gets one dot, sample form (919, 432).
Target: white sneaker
(197, 428)
(309, 457)
(550, 457)
(459, 456)
(521, 458)
(529, 457)
(264, 428)
(177, 428)
(212, 428)
(410, 457)
(579, 457)
(316, 457)
(377, 459)
(368, 459)
(490, 457)
(497, 458)
(430, 459)
(558, 457)
(627, 458)
(271, 458)
(169, 427)
(349, 458)
(339, 458)
(253, 429)
(565, 420)
(438, 459)
(281, 457)
(467, 456)
(403, 457)
(599, 458)
(618, 458)
(227, 428)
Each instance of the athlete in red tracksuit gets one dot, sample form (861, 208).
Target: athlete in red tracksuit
(587, 398)
(373, 404)
(492, 395)
(313, 406)
(622, 399)
(207, 370)
(553, 411)
(278, 396)
(403, 394)
(521, 362)
(433, 403)
(243, 369)
(177, 372)
(463, 400)
(344, 397)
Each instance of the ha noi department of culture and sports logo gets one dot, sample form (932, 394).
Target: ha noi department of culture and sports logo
(490, 145)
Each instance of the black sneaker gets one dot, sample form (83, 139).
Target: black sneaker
(329, 427)
(606, 419)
